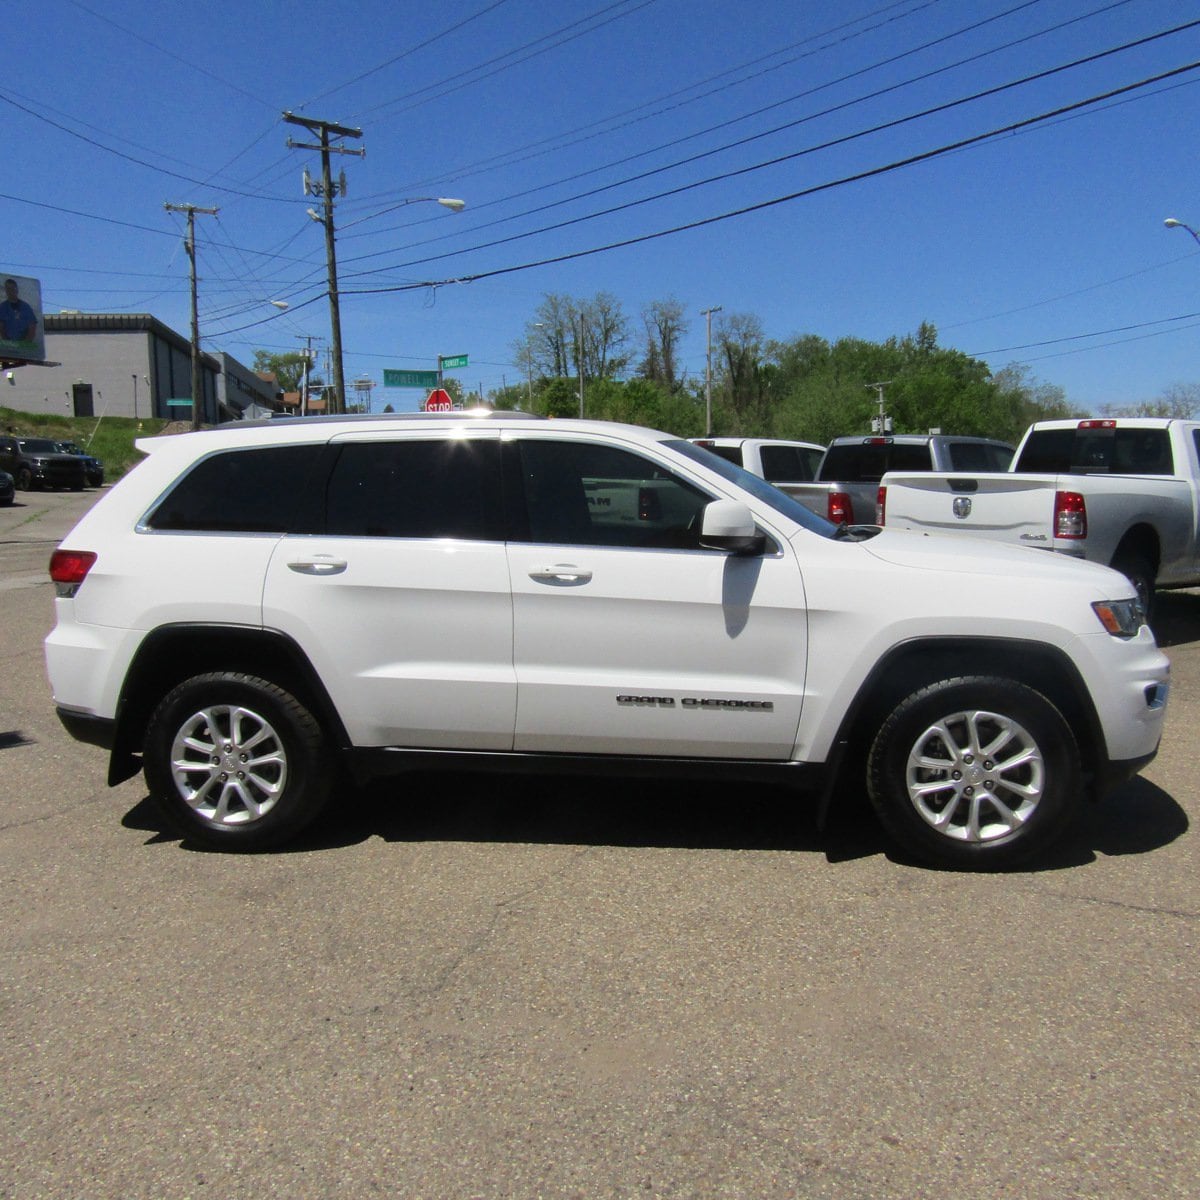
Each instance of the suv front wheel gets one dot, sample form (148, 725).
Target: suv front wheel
(975, 772)
(236, 762)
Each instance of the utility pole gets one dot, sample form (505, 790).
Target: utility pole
(580, 356)
(881, 423)
(197, 381)
(327, 189)
(707, 314)
(307, 339)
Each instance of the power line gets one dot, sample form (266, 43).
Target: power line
(141, 162)
(755, 137)
(816, 189)
(839, 141)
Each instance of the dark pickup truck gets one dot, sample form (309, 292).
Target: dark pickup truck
(38, 463)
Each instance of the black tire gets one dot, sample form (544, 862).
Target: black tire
(977, 772)
(1140, 572)
(236, 762)
(24, 479)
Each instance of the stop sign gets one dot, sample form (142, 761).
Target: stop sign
(439, 401)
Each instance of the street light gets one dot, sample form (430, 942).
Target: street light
(326, 190)
(1171, 223)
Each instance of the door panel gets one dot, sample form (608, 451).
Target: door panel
(649, 647)
(412, 638)
(401, 595)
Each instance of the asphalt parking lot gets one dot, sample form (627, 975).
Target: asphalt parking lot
(466, 987)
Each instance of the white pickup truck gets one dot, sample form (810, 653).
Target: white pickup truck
(783, 463)
(1122, 492)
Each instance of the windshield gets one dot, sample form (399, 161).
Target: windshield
(760, 489)
(39, 446)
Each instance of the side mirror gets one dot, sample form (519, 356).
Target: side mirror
(729, 525)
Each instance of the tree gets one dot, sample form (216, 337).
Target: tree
(288, 369)
(665, 325)
(568, 333)
(1180, 400)
(740, 345)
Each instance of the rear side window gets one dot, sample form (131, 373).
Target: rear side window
(416, 489)
(789, 464)
(238, 491)
(979, 456)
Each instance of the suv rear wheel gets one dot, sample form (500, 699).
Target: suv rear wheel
(236, 762)
(976, 771)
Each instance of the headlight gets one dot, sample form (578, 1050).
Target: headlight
(1121, 618)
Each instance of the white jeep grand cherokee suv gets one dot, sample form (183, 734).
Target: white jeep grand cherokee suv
(254, 607)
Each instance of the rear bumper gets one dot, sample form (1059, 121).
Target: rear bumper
(84, 727)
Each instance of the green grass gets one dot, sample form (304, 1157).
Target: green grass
(110, 439)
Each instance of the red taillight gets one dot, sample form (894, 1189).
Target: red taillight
(840, 510)
(70, 566)
(881, 506)
(1096, 424)
(1070, 515)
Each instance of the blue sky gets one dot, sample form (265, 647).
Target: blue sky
(1043, 244)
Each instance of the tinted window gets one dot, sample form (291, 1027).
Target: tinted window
(979, 456)
(39, 446)
(731, 454)
(789, 464)
(764, 492)
(869, 461)
(591, 495)
(1131, 451)
(238, 491)
(415, 489)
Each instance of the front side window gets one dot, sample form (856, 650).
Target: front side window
(590, 495)
(416, 489)
(238, 491)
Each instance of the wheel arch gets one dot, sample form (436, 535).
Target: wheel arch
(916, 664)
(1140, 540)
(172, 653)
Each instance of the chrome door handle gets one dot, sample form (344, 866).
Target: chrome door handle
(318, 565)
(562, 573)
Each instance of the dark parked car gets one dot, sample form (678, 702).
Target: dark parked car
(8, 489)
(38, 463)
(93, 468)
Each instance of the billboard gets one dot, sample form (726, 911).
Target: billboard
(22, 337)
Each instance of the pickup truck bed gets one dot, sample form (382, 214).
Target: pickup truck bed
(1120, 492)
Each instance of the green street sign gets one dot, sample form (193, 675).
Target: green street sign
(412, 379)
(451, 362)
(179, 403)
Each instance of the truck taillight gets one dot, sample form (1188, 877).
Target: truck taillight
(840, 510)
(70, 566)
(881, 506)
(1070, 515)
(1096, 424)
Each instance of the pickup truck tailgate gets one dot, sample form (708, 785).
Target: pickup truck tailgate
(1012, 508)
